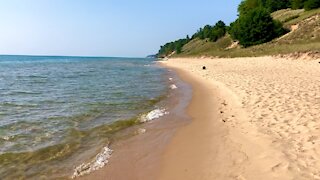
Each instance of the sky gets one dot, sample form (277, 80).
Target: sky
(114, 28)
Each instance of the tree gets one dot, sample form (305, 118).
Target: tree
(297, 4)
(247, 5)
(255, 27)
(311, 4)
(218, 31)
(211, 32)
(274, 5)
(175, 46)
(220, 24)
(207, 31)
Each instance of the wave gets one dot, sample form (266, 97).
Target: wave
(102, 158)
(173, 86)
(75, 144)
(23, 93)
(78, 143)
(152, 115)
(11, 104)
(97, 163)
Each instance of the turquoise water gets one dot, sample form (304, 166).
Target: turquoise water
(57, 108)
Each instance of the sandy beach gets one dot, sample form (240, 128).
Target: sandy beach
(253, 118)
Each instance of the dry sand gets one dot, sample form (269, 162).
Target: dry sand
(253, 118)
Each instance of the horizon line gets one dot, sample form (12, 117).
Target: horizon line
(83, 56)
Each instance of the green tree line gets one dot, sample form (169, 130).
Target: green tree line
(212, 33)
(274, 5)
(175, 46)
(253, 26)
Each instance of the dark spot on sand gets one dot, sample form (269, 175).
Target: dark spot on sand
(221, 112)
(204, 68)
(223, 120)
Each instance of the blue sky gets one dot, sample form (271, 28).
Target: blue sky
(130, 28)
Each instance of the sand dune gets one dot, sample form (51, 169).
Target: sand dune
(270, 108)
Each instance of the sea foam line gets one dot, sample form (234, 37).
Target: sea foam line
(152, 115)
(103, 157)
(98, 162)
(173, 86)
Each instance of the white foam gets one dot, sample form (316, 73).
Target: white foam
(170, 79)
(6, 138)
(173, 86)
(100, 161)
(155, 114)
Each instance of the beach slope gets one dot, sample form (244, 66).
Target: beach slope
(252, 118)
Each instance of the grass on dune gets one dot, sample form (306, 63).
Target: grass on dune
(305, 38)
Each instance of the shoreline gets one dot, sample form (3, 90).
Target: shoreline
(243, 124)
(208, 148)
(137, 157)
(193, 148)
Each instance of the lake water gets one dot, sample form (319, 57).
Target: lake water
(56, 112)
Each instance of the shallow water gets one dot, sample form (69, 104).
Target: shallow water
(56, 112)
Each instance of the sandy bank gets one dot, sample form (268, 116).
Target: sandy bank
(253, 118)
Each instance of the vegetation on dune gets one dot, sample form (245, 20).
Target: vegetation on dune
(311, 4)
(306, 4)
(213, 33)
(259, 30)
(274, 5)
(256, 27)
(270, 5)
(175, 46)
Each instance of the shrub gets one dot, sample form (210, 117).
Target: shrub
(297, 4)
(274, 5)
(256, 27)
(311, 4)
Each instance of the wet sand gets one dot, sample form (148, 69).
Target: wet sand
(193, 152)
(138, 157)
